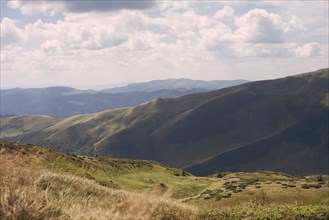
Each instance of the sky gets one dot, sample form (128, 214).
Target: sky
(101, 44)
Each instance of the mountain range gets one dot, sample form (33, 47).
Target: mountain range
(279, 125)
(175, 84)
(66, 101)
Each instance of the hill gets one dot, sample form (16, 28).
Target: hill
(280, 125)
(66, 101)
(37, 182)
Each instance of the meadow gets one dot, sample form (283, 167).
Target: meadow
(38, 183)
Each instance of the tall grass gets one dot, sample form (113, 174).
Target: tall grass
(30, 190)
(38, 194)
(26, 204)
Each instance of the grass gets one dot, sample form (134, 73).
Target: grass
(271, 211)
(38, 193)
(38, 183)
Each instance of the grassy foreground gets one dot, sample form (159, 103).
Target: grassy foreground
(37, 183)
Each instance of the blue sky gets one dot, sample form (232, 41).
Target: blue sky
(99, 44)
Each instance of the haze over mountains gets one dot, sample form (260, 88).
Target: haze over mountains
(279, 125)
(66, 101)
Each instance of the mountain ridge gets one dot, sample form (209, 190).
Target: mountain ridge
(183, 131)
(182, 83)
(64, 101)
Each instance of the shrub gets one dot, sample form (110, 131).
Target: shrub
(219, 175)
(307, 186)
(319, 178)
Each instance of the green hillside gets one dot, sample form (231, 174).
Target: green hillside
(267, 122)
(37, 182)
(18, 125)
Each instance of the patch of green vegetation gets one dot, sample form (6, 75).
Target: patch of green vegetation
(308, 186)
(271, 211)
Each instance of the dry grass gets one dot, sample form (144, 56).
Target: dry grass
(40, 194)
(32, 190)
(26, 204)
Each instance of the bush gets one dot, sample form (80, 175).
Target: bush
(319, 178)
(219, 175)
(307, 186)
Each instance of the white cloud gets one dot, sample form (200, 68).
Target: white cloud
(226, 12)
(269, 50)
(174, 39)
(142, 41)
(174, 5)
(308, 50)
(296, 23)
(31, 8)
(259, 26)
(52, 46)
(216, 35)
(10, 34)
(182, 21)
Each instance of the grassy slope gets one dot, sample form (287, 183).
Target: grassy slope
(18, 125)
(75, 186)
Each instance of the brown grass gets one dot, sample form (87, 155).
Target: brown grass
(31, 190)
(40, 194)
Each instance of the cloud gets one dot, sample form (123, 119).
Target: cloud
(10, 34)
(173, 38)
(296, 23)
(74, 34)
(259, 26)
(226, 12)
(52, 7)
(142, 41)
(32, 8)
(52, 47)
(251, 35)
(109, 5)
(283, 51)
(308, 50)
(216, 35)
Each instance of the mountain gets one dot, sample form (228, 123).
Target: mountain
(175, 84)
(279, 125)
(66, 101)
(55, 101)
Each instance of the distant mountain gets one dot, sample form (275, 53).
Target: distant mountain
(175, 84)
(66, 101)
(279, 125)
